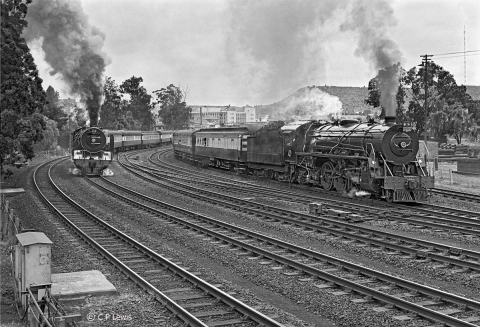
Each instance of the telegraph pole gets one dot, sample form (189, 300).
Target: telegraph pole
(425, 65)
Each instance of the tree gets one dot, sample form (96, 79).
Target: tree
(53, 110)
(112, 105)
(76, 117)
(173, 109)
(448, 103)
(22, 96)
(50, 136)
(140, 104)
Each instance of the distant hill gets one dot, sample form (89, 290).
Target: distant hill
(317, 101)
(474, 91)
(310, 101)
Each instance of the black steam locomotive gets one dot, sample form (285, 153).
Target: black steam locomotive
(93, 147)
(378, 160)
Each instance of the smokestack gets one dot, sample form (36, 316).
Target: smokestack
(73, 48)
(390, 120)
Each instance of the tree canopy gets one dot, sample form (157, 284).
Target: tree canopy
(22, 96)
(120, 113)
(53, 110)
(451, 110)
(140, 104)
(173, 109)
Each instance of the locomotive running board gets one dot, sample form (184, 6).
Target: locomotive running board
(326, 155)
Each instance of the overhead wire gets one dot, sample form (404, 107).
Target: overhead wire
(461, 56)
(442, 54)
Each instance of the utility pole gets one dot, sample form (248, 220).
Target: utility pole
(425, 65)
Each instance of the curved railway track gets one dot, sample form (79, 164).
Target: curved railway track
(321, 271)
(457, 195)
(439, 220)
(193, 300)
(412, 247)
(423, 208)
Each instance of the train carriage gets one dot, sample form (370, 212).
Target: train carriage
(183, 144)
(150, 139)
(131, 139)
(166, 137)
(223, 147)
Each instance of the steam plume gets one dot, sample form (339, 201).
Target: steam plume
(73, 48)
(371, 20)
(310, 103)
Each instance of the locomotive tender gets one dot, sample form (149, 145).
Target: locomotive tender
(93, 148)
(352, 158)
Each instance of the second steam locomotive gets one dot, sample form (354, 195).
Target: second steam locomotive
(93, 147)
(372, 159)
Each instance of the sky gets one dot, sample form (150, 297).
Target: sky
(259, 52)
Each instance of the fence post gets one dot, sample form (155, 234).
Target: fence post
(5, 220)
(11, 225)
(17, 225)
(451, 177)
(436, 163)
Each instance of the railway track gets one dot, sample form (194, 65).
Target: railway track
(320, 271)
(412, 247)
(457, 195)
(423, 208)
(192, 299)
(437, 220)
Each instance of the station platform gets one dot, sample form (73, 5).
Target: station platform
(81, 284)
(11, 191)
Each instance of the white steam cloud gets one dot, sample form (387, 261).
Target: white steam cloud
(310, 103)
(73, 48)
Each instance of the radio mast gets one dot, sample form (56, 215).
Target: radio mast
(464, 60)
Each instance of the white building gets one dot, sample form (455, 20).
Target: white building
(212, 116)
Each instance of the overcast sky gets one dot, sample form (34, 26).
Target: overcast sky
(258, 52)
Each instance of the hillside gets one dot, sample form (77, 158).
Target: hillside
(319, 101)
(474, 91)
(316, 102)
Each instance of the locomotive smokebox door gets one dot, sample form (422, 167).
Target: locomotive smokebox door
(93, 139)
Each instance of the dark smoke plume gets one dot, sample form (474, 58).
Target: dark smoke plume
(73, 48)
(371, 19)
(276, 46)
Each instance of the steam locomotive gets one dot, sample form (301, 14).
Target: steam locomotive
(93, 147)
(378, 160)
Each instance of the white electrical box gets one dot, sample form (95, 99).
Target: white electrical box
(33, 255)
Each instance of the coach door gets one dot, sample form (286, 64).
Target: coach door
(288, 148)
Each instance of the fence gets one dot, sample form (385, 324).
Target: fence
(10, 224)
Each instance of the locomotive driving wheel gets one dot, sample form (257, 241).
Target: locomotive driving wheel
(340, 184)
(328, 176)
